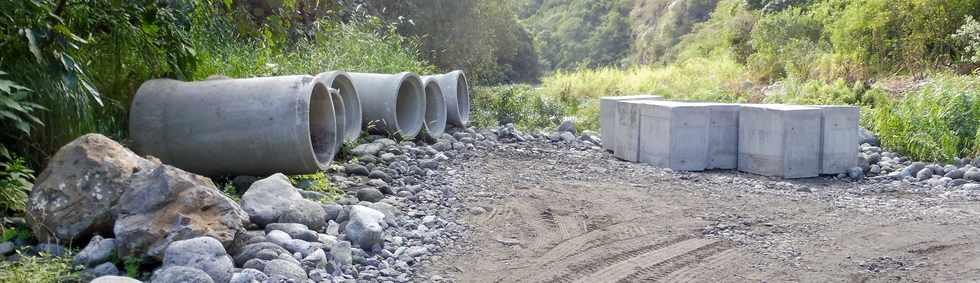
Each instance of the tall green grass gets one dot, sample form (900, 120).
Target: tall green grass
(718, 79)
(355, 47)
(940, 121)
(522, 105)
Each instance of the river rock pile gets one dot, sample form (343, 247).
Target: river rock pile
(397, 213)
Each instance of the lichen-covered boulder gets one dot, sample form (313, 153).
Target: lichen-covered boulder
(73, 197)
(168, 204)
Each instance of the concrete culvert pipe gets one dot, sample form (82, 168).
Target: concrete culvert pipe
(457, 93)
(391, 104)
(341, 81)
(256, 127)
(435, 108)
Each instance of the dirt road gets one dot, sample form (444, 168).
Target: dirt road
(557, 215)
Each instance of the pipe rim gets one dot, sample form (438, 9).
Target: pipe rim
(462, 97)
(340, 120)
(342, 81)
(435, 108)
(321, 125)
(409, 105)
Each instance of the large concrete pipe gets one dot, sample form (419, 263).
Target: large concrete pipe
(257, 126)
(391, 104)
(340, 118)
(341, 81)
(457, 93)
(435, 108)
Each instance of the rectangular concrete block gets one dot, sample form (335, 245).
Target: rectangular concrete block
(839, 138)
(780, 140)
(674, 134)
(723, 136)
(608, 116)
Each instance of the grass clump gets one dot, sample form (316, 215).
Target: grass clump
(318, 182)
(15, 183)
(940, 121)
(576, 94)
(522, 105)
(39, 269)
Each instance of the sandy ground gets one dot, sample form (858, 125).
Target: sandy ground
(565, 215)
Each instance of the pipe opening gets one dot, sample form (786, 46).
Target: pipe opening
(435, 109)
(463, 98)
(352, 125)
(322, 125)
(407, 108)
(340, 119)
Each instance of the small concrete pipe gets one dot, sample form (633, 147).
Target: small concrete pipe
(227, 127)
(435, 108)
(341, 81)
(457, 94)
(391, 104)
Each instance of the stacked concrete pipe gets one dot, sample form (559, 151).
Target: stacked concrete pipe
(257, 126)
(391, 104)
(435, 108)
(341, 81)
(457, 93)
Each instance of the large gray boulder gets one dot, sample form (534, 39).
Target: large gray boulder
(204, 253)
(366, 227)
(275, 200)
(168, 204)
(73, 197)
(95, 186)
(180, 274)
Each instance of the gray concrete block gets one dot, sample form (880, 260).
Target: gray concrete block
(839, 138)
(674, 134)
(723, 136)
(780, 140)
(608, 118)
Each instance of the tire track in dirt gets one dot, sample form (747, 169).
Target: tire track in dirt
(719, 266)
(594, 239)
(656, 272)
(575, 271)
(636, 265)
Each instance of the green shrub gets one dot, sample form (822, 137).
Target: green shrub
(15, 232)
(37, 269)
(15, 183)
(785, 44)
(968, 36)
(522, 105)
(938, 122)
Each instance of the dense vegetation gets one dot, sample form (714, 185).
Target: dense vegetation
(911, 64)
(72, 67)
(69, 67)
